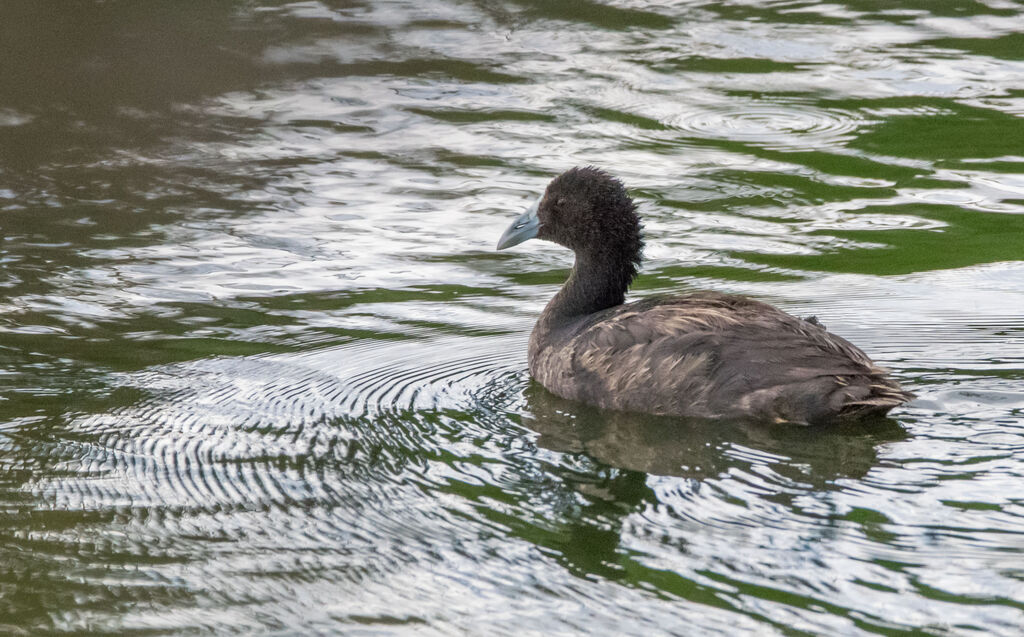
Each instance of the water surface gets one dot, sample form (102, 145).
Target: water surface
(263, 371)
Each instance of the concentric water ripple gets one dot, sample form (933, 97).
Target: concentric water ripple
(773, 126)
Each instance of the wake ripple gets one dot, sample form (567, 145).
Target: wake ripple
(252, 433)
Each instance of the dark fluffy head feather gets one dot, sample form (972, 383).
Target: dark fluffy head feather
(588, 211)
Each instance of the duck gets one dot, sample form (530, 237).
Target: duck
(704, 355)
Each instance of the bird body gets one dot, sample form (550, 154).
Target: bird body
(709, 355)
(706, 354)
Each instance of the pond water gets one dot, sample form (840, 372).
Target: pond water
(263, 371)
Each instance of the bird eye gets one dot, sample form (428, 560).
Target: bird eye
(555, 206)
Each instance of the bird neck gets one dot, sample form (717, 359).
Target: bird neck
(598, 280)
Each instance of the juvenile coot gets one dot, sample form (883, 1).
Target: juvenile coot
(705, 355)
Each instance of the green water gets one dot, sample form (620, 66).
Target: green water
(263, 372)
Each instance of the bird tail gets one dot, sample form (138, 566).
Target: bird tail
(883, 396)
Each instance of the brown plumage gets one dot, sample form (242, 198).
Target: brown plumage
(705, 355)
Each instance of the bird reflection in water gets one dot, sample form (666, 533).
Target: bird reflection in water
(614, 456)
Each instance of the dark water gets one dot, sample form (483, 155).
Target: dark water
(262, 371)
